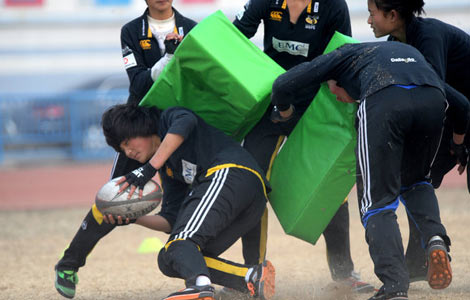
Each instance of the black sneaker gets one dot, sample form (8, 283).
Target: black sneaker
(262, 281)
(380, 295)
(194, 292)
(65, 282)
(439, 274)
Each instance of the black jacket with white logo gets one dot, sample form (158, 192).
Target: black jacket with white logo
(140, 52)
(361, 69)
(290, 44)
(205, 148)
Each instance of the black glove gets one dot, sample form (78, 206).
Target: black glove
(139, 177)
(170, 45)
(276, 115)
(460, 151)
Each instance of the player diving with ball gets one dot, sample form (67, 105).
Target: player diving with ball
(214, 192)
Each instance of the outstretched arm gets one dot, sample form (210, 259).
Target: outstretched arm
(155, 222)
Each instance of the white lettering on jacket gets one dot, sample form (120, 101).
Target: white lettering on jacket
(405, 60)
(291, 47)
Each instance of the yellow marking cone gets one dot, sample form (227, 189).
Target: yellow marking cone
(150, 245)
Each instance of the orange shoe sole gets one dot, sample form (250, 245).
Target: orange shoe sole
(268, 281)
(439, 272)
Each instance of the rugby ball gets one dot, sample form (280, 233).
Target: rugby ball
(109, 201)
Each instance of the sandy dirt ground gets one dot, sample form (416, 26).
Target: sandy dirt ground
(33, 236)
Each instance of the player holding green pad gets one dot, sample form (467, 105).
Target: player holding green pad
(321, 176)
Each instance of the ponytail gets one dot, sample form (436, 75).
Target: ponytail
(406, 8)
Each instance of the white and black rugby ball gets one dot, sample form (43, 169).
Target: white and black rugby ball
(109, 201)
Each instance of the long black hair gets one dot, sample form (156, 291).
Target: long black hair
(406, 8)
(124, 121)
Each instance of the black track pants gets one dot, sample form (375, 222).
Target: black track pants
(398, 136)
(209, 223)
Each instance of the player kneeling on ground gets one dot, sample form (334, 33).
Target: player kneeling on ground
(214, 192)
(400, 118)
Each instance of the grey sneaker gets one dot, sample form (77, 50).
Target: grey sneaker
(439, 274)
(65, 282)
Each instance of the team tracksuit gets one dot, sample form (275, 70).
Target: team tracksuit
(214, 193)
(400, 119)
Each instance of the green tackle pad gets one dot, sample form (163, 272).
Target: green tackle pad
(315, 169)
(220, 75)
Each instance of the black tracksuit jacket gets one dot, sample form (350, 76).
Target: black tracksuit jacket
(139, 45)
(361, 69)
(290, 44)
(204, 147)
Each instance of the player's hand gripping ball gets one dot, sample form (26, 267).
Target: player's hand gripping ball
(110, 202)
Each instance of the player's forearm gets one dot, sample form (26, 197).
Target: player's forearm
(170, 143)
(154, 222)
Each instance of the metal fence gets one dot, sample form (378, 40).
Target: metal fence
(45, 126)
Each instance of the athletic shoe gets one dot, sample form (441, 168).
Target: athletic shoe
(65, 281)
(439, 272)
(380, 295)
(227, 293)
(354, 282)
(262, 280)
(194, 292)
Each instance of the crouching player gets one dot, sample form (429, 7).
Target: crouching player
(214, 192)
(400, 120)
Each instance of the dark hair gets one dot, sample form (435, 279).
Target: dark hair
(124, 121)
(406, 8)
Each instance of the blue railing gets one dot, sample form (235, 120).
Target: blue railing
(43, 126)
